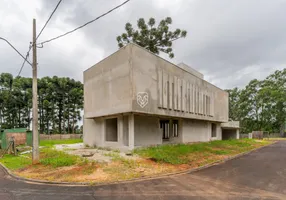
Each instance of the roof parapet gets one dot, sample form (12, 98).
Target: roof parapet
(191, 70)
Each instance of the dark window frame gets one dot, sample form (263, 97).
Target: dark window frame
(214, 130)
(175, 128)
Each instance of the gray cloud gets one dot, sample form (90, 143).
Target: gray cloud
(231, 42)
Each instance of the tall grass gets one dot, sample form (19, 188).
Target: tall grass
(56, 158)
(182, 153)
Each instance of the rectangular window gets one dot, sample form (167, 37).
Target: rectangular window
(213, 130)
(111, 134)
(175, 128)
(165, 128)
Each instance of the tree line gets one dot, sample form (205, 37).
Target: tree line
(261, 105)
(60, 102)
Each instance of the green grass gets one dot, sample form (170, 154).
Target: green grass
(49, 143)
(15, 162)
(54, 158)
(48, 157)
(274, 139)
(184, 153)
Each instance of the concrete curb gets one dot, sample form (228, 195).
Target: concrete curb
(35, 181)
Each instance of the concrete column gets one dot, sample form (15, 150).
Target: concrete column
(103, 131)
(237, 133)
(93, 132)
(181, 131)
(219, 132)
(120, 129)
(131, 131)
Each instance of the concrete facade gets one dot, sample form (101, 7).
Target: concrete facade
(151, 100)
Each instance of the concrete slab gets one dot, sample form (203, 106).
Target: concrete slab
(93, 154)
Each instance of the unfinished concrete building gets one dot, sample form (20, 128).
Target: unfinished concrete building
(134, 98)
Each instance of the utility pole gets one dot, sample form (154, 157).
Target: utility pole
(36, 155)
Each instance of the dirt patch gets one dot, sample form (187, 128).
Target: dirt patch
(95, 172)
(93, 154)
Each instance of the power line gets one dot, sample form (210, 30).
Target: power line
(15, 49)
(49, 19)
(27, 55)
(85, 23)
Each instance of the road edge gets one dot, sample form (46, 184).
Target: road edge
(36, 181)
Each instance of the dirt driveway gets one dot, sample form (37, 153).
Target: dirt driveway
(258, 175)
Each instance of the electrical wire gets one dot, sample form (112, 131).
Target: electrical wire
(27, 55)
(49, 19)
(1, 38)
(69, 32)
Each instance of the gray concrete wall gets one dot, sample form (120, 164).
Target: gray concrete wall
(107, 85)
(115, 84)
(219, 132)
(93, 132)
(196, 131)
(230, 124)
(172, 91)
(146, 131)
(199, 131)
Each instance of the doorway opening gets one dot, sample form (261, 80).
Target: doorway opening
(111, 134)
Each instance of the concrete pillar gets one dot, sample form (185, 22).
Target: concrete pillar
(120, 130)
(131, 131)
(237, 133)
(219, 131)
(181, 130)
(93, 134)
(103, 131)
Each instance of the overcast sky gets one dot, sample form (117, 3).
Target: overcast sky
(231, 42)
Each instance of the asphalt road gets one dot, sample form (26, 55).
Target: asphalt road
(258, 175)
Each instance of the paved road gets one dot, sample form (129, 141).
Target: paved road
(258, 175)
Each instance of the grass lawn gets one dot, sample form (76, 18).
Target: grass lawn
(195, 153)
(49, 143)
(49, 157)
(59, 166)
(274, 139)
(15, 162)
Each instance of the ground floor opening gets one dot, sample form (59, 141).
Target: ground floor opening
(128, 131)
(228, 134)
